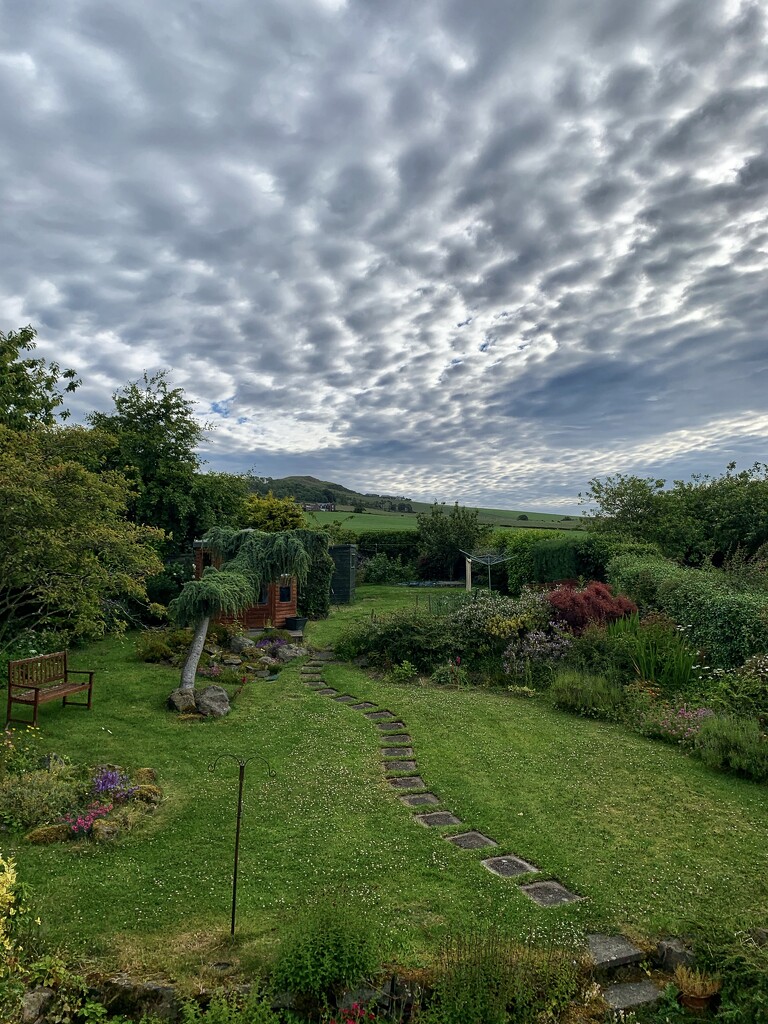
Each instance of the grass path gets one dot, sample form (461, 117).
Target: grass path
(651, 837)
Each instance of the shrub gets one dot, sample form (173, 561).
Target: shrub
(331, 947)
(163, 645)
(381, 569)
(594, 604)
(224, 1009)
(745, 691)
(675, 724)
(405, 672)
(727, 743)
(486, 625)
(590, 696)
(416, 636)
(640, 576)
(486, 978)
(658, 651)
(531, 658)
(40, 796)
(596, 651)
(452, 673)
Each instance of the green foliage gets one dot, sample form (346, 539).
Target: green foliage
(452, 673)
(330, 947)
(599, 652)
(315, 594)
(272, 515)
(29, 388)
(589, 696)
(728, 743)
(382, 570)
(741, 958)
(486, 978)
(658, 651)
(224, 1009)
(402, 544)
(156, 436)
(404, 672)
(217, 500)
(69, 557)
(745, 691)
(443, 535)
(40, 796)
(415, 636)
(727, 623)
(162, 645)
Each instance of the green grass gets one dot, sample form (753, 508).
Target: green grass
(653, 839)
(364, 522)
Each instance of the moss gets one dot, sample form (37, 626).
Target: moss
(48, 834)
(144, 776)
(148, 794)
(105, 830)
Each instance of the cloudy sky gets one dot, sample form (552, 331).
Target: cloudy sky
(480, 250)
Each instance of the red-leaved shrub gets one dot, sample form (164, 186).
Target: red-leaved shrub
(594, 604)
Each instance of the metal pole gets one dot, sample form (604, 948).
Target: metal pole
(489, 577)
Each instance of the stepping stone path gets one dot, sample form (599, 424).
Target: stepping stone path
(610, 953)
(397, 755)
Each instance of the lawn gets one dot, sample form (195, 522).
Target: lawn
(652, 839)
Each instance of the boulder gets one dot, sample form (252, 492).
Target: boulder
(104, 830)
(148, 794)
(144, 776)
(182, 700)
(123, 995)
(35, 1004)
(672, 953)
(213, 701)
(232, 662)
(238, 644)
(44, 834)
(291, 651)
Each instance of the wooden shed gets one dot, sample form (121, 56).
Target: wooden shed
(277, 601)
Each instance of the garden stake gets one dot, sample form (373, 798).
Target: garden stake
(242, 763)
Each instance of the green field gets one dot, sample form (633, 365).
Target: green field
(374, 519)
(652, 839)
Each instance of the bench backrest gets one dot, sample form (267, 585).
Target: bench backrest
(39, 671)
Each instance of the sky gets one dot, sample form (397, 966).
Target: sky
(479, 251)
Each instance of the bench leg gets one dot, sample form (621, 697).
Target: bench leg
(8, 709)
(37, 704)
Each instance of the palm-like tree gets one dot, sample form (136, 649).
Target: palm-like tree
(249, 560)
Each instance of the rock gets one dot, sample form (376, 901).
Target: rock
(213, 701)
(609, 951)
(631, 994)
(364, 997)
(35, 1004)
(238, 644)
(760, 935)
(182, 700)
(104, 831)
(148, 794)
(212, 649)
(123, 995)
(232, 662)
(673, 953)
(44, 834)
(291, 651)
(144, 776)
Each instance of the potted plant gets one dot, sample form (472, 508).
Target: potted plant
(296, 623)
(697, 989)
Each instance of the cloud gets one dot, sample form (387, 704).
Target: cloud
(483, 251)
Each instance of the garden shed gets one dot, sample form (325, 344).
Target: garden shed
(277, 601)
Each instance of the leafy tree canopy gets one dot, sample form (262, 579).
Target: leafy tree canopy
(69, 556)
(30, 392)
(444, 533)
(272, 515)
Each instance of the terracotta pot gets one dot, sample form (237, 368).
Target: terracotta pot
(699, 1004)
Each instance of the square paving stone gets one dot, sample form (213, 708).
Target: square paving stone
(390, 725)
(509, 866)
(387, 752)
(323, 656)
(379, 716)
(345, 698)
(315, 685)
(613, 951)
(401, 737)
(549, 894)
(419, 799)
(408, 782)
(471, 840)
(437, 818)
(328, 691)
(363, 705)
(631, 994)
(400, 766)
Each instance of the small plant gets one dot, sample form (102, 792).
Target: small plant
(81, 822)
(727, 743)
(405, 672)
(450, 674)
(590, 696)
(693, 982)
(354, 1014)
(112, 783)
(521, 691)
(41, 795)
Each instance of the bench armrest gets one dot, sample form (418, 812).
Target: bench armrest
(80, 672)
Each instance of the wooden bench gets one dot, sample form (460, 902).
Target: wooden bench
(35, 681)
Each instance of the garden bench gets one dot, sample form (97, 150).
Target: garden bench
(35, 681)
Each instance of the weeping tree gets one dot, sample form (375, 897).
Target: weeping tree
(248, 560)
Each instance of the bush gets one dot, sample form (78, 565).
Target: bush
(640, 577)
(594, 604)
(452, 673)
(224, 1009)
(531, 658)
(745, 691)
(41, 796)
(658, 651)
(405, 672)
(381, 570)
(163, 644)
(596, 651)
(331, 947)
(589, 696)
(727, 743)
(415, 636)
(485, 625)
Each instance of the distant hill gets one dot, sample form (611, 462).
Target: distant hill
(310, 490)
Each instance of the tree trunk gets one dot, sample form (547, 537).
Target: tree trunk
(189, 668)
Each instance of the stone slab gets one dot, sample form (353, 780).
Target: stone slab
(390, 725)
(630, 994)
(328, 691)
(436, 818)
(345, 698)
(401, 738)
(509, 866)
(379, 716)
(319, 685)
(674, 952)
(471, 840)
(609, 951)
(323, 656)
(400, 766)
(363, 705)
(407, 782)
(396, 752)
(419, 800)
(549, 894)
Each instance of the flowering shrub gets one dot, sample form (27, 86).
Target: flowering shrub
(20, 751)
(486, 624)
(538, 649)
(354, 1014)
(212, 671)
(450, 674)
(595, 603)
(112, 783)
(81, 824)
(674, 724)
